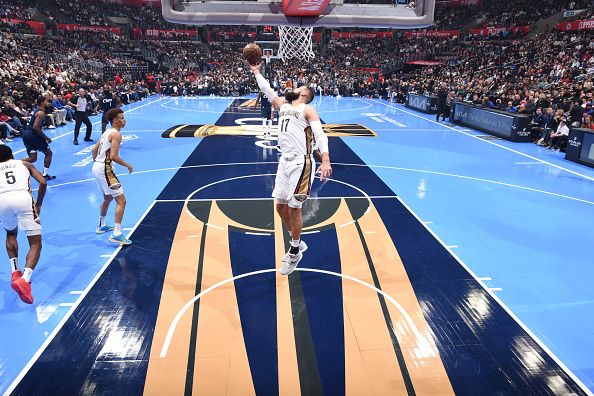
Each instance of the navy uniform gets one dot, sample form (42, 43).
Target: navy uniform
(33, 142)
(265, 105)
(108, 102)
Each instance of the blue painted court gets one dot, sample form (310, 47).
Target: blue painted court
(481, 249)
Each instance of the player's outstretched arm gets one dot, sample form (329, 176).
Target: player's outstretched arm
(311, 115)
(265, 87)
(42, 184)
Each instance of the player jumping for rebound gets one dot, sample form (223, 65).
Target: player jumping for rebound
(299, 128)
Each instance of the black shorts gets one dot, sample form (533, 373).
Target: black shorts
(266, 111)
(33, 142)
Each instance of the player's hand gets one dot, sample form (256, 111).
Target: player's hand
(325, 171)
(130, 169)
(48, 140)
(256, 68)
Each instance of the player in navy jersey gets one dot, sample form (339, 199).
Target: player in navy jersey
(108, 101)
(266, 111)
(34, 138)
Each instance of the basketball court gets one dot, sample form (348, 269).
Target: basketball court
(426, 274)
(441, 260)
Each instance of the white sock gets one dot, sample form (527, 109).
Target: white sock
(27, 274)
(101, 221)
(294, 246)
(45, 170)
(117, 229)
(13, 264)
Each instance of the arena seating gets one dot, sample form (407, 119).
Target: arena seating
(506, 66)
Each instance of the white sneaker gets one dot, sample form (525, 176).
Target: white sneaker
(302, 249)
(291, 263)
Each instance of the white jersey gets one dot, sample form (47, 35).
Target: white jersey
(103, 167)
(105, 147)
(295, 136)
(14, 176)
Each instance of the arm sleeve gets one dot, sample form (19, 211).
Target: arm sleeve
(265, 88)
(320, 136)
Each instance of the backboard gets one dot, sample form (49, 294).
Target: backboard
(304, 13)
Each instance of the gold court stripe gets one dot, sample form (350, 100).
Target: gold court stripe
(179, 128)
(333, 130)
(168, 376)
(206, 130)
(221, 365)
(366, 319)
(422, 357)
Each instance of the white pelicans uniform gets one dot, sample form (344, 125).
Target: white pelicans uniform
(107, 180)
(17, 206)
(296, 172)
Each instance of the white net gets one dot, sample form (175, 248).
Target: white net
(295, 42)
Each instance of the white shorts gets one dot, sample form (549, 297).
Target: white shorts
(294, 178)
(106, 177)
(17, 210)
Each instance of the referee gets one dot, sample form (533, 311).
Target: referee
(80, 103)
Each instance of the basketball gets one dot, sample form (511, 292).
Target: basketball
(252, 53)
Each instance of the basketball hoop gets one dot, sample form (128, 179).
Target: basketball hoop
(295, 42)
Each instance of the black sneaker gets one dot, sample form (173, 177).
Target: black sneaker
(88, 140)
(75, 142)
(49, 177)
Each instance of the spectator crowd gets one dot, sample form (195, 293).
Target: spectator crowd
(546, 76)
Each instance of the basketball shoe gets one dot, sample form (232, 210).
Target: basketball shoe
(23, 288)
(16, 275)
(121, 239)
(291, 263)
(103, 229)
(302, 249)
